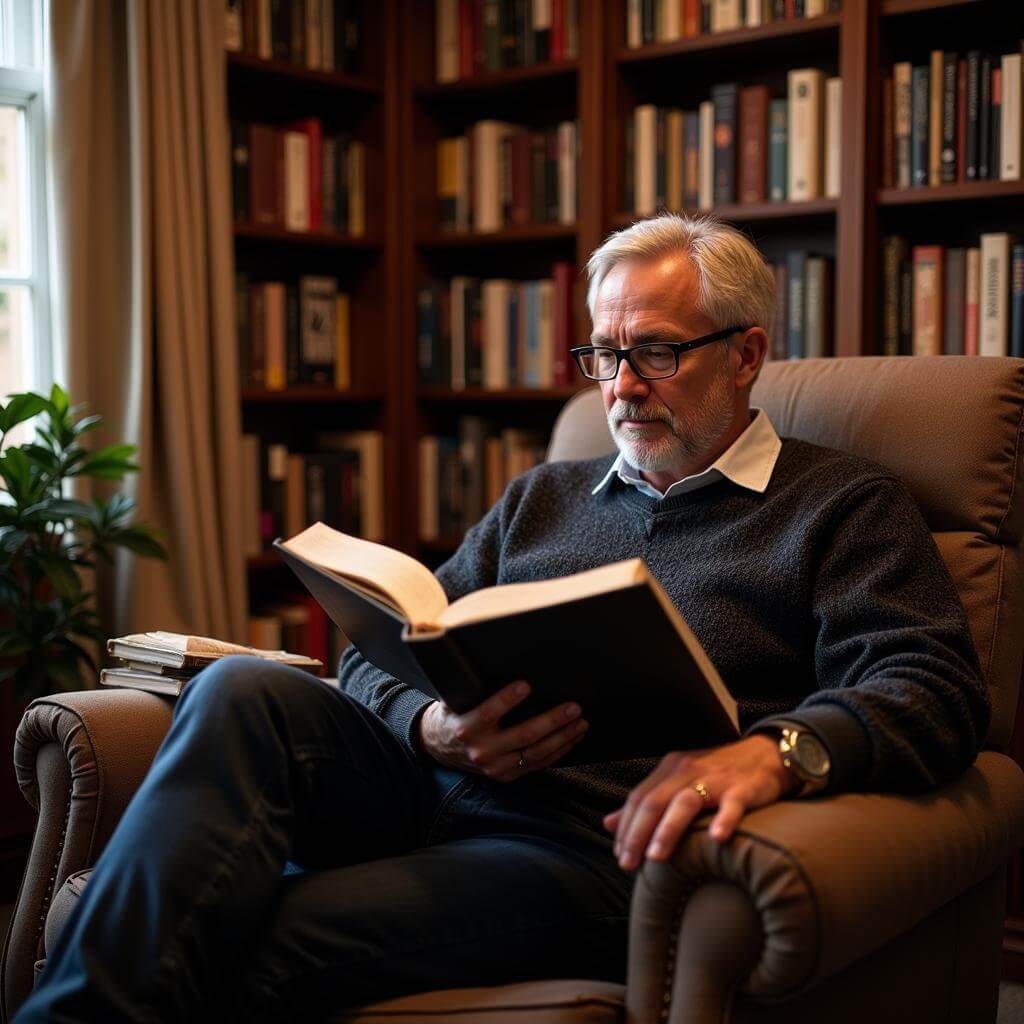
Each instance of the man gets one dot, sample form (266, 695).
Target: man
(426, 849)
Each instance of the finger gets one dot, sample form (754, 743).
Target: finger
(669, 764)
(611, 821)
(491, 710)
(678, 817)
(531, 732)
(731, 809)
(544, 753)
(633, 838)
(557, 754)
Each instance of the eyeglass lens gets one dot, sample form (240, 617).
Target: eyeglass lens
(647, 360)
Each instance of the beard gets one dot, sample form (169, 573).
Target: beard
(693, 432)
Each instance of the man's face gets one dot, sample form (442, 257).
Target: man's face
(667, 425)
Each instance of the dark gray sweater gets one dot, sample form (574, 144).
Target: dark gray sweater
(823, 599)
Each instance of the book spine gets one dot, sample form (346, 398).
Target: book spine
(906, 308)
(691, 160)
(796, 267)
(902, 118)
(725, 99)
(973, 115)
(995, 270)
(806, 112)
(817, 305)
(972, 302)
(947, 153)
(706, 165)
(953, 306)
(645, 155)
(659, 158)
(928, 267)
(833, 135)
(1010, 134)
(893, 253)
(985, 118)
(961, 120)
(888, 134)
(935, 89)
(1016, 347)
(919, 126)
(753, 143)
(778, 145)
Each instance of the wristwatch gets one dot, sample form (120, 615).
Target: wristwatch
(804, 755)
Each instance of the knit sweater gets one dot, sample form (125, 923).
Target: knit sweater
(823, 600)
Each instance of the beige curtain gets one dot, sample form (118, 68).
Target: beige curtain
(143, 280)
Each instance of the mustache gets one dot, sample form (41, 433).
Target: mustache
(628, 411)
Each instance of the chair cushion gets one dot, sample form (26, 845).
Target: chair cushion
(539, 1002)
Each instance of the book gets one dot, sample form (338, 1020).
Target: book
(397, 615)
(182, 651)
(994, 293)
(139, 680)
(929, 263)
(806, 132)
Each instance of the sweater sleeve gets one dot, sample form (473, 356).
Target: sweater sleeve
(474, 565)
(902, 705)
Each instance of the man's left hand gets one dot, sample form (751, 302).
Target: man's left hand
(739, 777)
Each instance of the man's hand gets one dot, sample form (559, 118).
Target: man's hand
(739, 777)
(475, 742)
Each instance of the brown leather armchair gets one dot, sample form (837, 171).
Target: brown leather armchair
(845, 908)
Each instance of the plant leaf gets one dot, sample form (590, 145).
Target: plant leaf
(21, 407)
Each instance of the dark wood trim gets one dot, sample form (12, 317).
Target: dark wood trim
(787, 211)
(329, 239)
(479, 239)
(506, 82)
(535, 395)
(292, 73)
(894, 7)
(308, 394)
(973, 190)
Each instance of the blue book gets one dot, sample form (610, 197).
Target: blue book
(796, 305)
(513, 335)
(778, 150)
(1017, 302)
(919, 125)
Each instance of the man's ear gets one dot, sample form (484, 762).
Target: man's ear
(753, 347)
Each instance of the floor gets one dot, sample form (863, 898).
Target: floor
(1011, 996)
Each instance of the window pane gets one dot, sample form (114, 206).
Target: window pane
(15, 339)
(14, 256)
(19, 33)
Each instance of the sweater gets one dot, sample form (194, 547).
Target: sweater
(823, 601)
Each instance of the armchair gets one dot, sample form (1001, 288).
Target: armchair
(835, 908)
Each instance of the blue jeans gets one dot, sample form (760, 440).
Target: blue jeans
(286, 852)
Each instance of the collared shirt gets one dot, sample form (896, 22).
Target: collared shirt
(748, 461)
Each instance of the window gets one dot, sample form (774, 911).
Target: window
(25, 352)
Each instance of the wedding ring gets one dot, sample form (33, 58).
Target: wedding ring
(522, 759)
(703, 790)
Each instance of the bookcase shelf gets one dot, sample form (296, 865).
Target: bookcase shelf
(508, 81)
(525, 235)
(968, 190)
(288, 74)
(815, 209)
(327, 239)
(480, 395)
(303, 395)
(894, 7)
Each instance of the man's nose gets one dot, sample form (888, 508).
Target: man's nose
(628, 384)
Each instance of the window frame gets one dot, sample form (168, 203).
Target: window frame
(23, 88)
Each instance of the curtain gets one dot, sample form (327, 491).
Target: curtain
(142, 271)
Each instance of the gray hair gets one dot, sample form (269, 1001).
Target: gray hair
(735, 286)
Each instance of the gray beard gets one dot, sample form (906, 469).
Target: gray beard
(692, 433)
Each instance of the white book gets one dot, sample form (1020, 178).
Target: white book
(726, 15)
(458, 329)
(546, 332)
(833, 135)
(572, 30)
(670, 21)
(356, 158)
(755, 14)
(567, 172)
(369, 445)
(428, 494)
(634, 26)
(542, 12)
(487, 137)
(233, 25)
(645, 158)
(495, 295)
(447, 40)
(815, 8)
(1009, 137)
(674, 138)
(995, 290)
(296, 181)
(806, 117)
(901, 84)
(327, 43)
(314, 35)
(706, 157)
(264, 44)
(251, 540)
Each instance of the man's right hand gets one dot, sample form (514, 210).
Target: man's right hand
(475, 742)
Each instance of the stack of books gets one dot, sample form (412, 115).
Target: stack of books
(164, 662)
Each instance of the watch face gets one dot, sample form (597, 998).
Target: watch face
(811, 754)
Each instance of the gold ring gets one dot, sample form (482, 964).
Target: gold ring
(703, 790)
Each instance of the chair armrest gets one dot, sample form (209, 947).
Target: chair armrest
(805, 888)
(79, 758)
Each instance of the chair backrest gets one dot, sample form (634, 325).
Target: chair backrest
(951, 428)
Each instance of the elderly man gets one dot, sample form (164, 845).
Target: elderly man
(294, 846)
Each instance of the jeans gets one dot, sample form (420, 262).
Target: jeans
(287, 852)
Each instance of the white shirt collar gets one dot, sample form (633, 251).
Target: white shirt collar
(748, 462)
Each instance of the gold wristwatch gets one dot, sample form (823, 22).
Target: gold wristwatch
(805, 756)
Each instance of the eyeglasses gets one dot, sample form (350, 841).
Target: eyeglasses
(651, 361)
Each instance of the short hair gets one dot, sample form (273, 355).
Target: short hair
(734, 284)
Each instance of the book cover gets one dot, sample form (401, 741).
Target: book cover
(796, 269)
(753, 129)
(972, 303)
(919, 124)
(973, 115)
(928, 300)
(954, 293)
(778, 150)
(947, 150)
(1016, 346)
(935, 89)
(725, 98)
(902, 106)
(318, 331)
(806, 130)
(993, 335)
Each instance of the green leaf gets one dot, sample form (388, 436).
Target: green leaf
(17, 473)
(59, 399)
(63, 576)
(21, 407)
(140, 539)
(58, 509)
(65, 673)
(14, 643)
(87, 423)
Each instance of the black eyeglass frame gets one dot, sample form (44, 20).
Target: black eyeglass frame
(677, 347)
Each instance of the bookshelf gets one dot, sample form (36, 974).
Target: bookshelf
(395, 103)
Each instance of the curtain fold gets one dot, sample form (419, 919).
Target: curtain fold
(144, 298)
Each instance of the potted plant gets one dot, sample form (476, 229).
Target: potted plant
(46, 538)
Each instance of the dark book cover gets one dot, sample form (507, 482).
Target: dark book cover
(264, 186)
(325, 472)
(519, 211)
(778, 150)
(995, 130)
(243, 329)
(514, 314)
(796, 266)
(509, 41)
(240, 172)
(257, 336)
(973, 115)
(524, 32)
(474, 335)
(894, 252)
(888, 134)
(492, 35)
(318, 310)
(919, 125)
(947, 154)
(465, 38)
(428, 335)
(538, 177)
(961, 119)
(551, 176)
(660, 158)
(691, 160)
(705, 16)
(648, 9)
(293, 354)
(472, 432)
(466, 663)
(348, 32)
(954, 296)
(281, 29)
(778, 10)
(906, 308)
(542, 40)
(297, 44)
(341, 177)
(725, 98)
(1016, 346)
(329, 183)
(753, 160)
(985, 164)
(273, 480)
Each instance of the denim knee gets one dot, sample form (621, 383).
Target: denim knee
(239, 678)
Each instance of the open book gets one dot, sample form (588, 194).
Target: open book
(609, 638)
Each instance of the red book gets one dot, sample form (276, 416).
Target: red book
(466, 8)
(565, 327)
(790, 8)
(753, 154)
(311, 128)
(961, 120)
(519, 211)
(264, 185)
(557, 29)
(691, 18)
